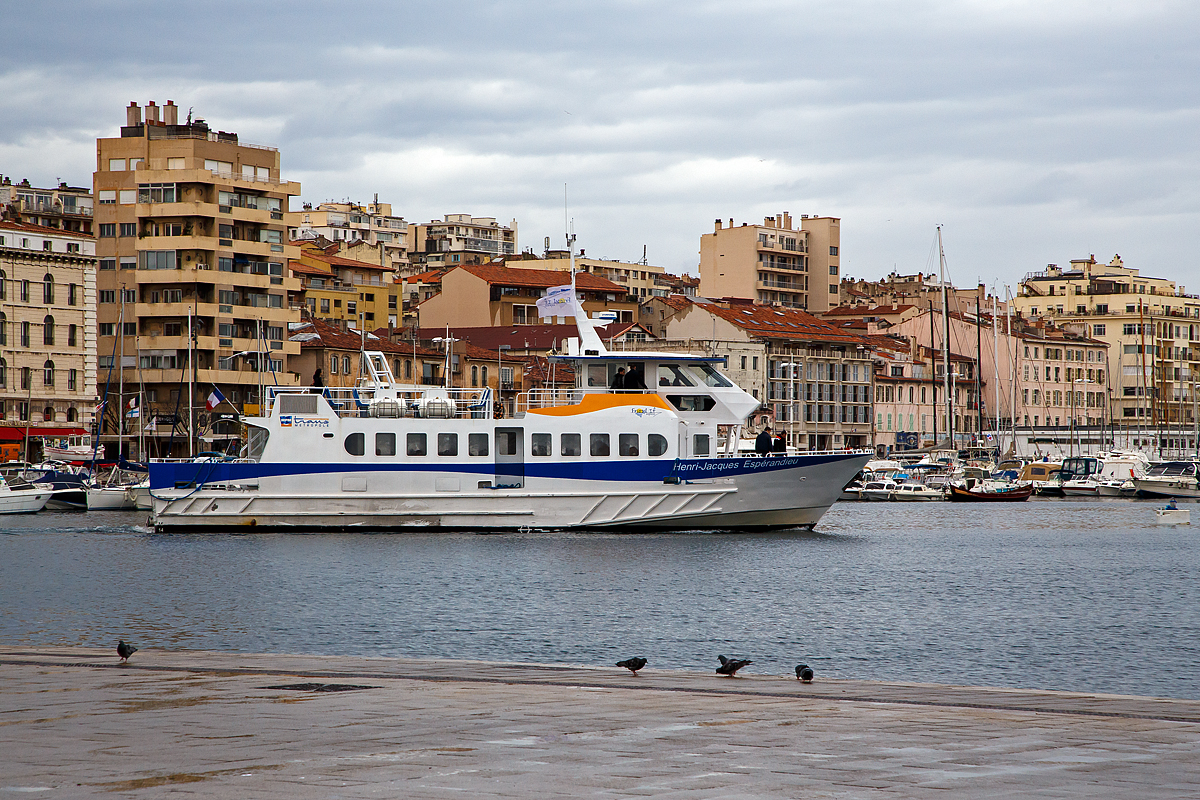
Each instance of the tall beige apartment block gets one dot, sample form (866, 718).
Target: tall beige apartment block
(47, 333)
(775, 263)
(190, 227)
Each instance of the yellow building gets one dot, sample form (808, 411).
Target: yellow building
(345, 291)
(1151, 326)
(190, 227)
(774, 263)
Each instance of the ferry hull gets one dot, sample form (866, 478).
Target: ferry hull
(702, 494)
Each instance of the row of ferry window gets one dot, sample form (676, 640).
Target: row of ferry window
(540, 444)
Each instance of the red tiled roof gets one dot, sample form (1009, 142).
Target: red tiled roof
(304, 269)
(507, 276)
(338, 261)
(859, 311)
(332, 337)
(780, 323)
(31, 228)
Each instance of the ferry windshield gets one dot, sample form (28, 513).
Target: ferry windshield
(672, 375)
(710, 376)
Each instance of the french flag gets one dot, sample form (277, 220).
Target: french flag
(215, 399)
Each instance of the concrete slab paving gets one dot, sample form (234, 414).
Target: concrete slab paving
(74, 723)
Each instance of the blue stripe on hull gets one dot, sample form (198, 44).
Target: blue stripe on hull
(167, 475)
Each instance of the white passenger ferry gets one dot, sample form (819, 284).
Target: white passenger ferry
(386, 455)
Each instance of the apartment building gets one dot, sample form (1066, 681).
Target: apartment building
(910, 405)
(190, 230)
(813, 379)
(775, 263)
(459, 239)
(344, 291)
(352, 225)
(47, 332)
(66, 208)
(489, 294)
(918, 289)
(1151, 327)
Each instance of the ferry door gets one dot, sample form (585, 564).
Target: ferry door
(510, 458)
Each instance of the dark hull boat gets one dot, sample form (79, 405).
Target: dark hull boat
(960, 495)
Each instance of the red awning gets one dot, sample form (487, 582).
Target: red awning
(9, 434)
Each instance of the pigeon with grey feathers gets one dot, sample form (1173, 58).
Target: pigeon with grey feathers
(632, 664)
(730, 666)
(125, 650)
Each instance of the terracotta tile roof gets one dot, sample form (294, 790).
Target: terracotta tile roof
(318, 333)
(432, 276)
(860, 311)
(545, 278)
(31, 228)
(338, 261)
(777, 323)
(298, 268)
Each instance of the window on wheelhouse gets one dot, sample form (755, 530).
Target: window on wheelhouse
(447, 444)
(700, 444)
(477, 444)
(416, 445)
(385, 444)
(256, 442)
(627, 444)
(541, 444)
(710, 376)
(571, 444)
(672, 375)
(600, 445)
(691, 402)
(355, 444)
(656, 444)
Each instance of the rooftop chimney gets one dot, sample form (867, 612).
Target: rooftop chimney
(717, 224)
(787, 220)
(151, 112)
(133, 115)
(171, 113)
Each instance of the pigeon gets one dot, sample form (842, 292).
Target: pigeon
(804, 673)
(632, 664)
(730, 666)
(125, 650)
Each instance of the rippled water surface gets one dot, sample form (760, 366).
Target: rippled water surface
(1053, 594)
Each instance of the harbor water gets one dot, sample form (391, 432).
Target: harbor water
(1050, 594)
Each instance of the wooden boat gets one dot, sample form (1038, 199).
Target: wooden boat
(1019, 493)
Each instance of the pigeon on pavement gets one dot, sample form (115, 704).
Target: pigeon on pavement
(730, 666)
(125, 650)
(632, 664)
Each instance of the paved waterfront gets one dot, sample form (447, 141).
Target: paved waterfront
(74, 723)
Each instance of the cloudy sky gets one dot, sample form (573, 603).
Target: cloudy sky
(1034, 131)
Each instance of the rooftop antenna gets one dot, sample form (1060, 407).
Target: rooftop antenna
(189, 119)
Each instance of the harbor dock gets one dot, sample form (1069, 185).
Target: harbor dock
(74, 722)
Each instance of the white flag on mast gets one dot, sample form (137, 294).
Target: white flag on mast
(558, 302)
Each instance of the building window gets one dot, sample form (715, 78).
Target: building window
(474, 377)
(333, 365)
(833, 250)
(72, 385)
(48, 373)
(346, 364)
(48, 330)
(108, 197)
(24, 291)
(72, 294)
(25, 334)
(3, 374)
(128, 229)
(26, 377)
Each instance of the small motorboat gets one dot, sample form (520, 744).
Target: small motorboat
(917, 491)
(1173, 515)
(983, 493)
(20, 497)
(878, 490)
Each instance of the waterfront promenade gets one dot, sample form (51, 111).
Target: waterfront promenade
(75, 723)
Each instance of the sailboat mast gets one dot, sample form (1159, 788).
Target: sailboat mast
(191, 388)
(996, 365)
(932, 375)
(945, 339)
(121, 378)
(978, 371)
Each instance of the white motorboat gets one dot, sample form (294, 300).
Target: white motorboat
(386, 455)
(1173, 516)
(1116, 487)
(114, 497)
(917, 491)
(1170, 479)
(20, 497)
(878, 490)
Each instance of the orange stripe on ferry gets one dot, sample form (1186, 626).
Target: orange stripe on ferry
(600, 402)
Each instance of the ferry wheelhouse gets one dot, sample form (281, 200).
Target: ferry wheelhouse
(387, 455)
